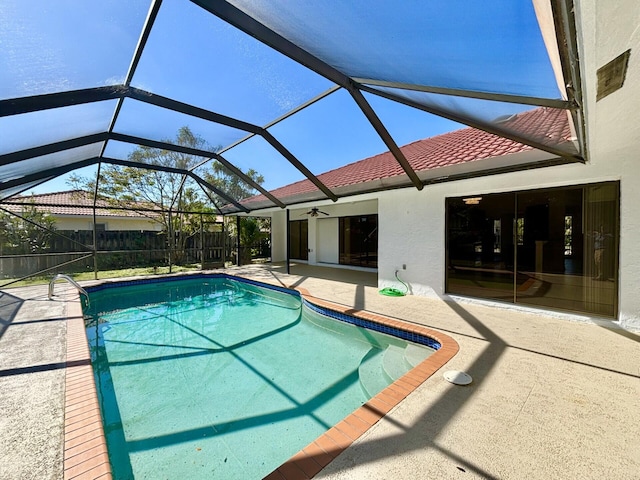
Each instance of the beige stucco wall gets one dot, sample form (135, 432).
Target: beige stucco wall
(279, 236)
(112, 223)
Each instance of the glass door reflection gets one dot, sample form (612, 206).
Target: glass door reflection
(480, 247)
(555, 248)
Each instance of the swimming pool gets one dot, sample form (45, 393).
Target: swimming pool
(176, 362)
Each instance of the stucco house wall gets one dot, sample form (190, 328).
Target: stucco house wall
(111, 223)
(73, 210)
(278, 236)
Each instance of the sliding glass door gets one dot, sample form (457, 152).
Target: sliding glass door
(481, 246)
(299, 239)
(358, 242)
(554, 248)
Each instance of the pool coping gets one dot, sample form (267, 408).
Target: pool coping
(85, 447)
(309, 461)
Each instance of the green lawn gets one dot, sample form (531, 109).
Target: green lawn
(81, 276)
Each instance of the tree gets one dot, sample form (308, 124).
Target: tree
(168, 198)
(253, 231)
(30, 234)
(221, 178)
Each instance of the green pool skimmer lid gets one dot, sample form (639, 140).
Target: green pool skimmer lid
(395, 292)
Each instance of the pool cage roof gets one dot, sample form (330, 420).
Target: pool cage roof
(288, 89)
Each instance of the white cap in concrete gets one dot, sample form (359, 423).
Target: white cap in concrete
(457, 378)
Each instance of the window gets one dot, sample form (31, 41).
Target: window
(560, 249)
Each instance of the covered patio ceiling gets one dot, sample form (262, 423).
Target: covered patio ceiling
(288, 89)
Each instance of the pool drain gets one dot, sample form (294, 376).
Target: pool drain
(457, 378)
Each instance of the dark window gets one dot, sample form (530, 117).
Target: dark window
(553, 248)
(359, 240)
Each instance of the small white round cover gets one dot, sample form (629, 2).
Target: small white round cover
(457, 377)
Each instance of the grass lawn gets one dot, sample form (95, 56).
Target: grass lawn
(81, 276)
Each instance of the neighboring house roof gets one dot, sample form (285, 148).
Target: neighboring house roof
(446, 150)
(70, 203)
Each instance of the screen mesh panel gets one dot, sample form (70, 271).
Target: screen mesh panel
(292, 68)
(490, 46)
(132, 152)
(407, 124)
(194, 57)
(6, 194)
(119, 150)
(257, 154)
(329, 134)
(227, 184)
(545, 125)
(156, 123)
(16, 170)
(32, 129)
(66, 45)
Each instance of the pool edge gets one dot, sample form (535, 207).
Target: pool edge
(85, 449)
(85, 446)
(310, 460)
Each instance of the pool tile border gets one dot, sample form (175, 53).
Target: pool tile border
(309, 461)
(383, 327)
(85, 448)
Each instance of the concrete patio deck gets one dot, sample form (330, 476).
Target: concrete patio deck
(551, 397)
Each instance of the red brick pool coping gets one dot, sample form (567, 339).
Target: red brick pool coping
(309, 461)
(85, 447)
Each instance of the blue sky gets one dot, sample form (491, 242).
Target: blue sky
(196, 58)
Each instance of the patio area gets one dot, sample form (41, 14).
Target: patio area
(543, 402)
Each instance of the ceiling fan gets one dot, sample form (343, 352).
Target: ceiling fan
(314, 212)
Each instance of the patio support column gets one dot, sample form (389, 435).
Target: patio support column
(201, 244)
(224, 243)
(238, 241)
(288, 244)
(170, 237)
(95, 235)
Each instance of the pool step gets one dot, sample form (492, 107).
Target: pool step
(381, 368)
(370, 371)
(393, 363)
(416, 354)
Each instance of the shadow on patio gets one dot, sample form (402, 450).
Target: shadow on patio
(542, 386)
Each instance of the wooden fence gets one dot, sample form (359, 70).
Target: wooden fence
(72, 252)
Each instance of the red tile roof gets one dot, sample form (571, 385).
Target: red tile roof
(547, 125)
(72, 202)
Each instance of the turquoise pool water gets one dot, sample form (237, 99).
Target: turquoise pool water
(216, 378)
